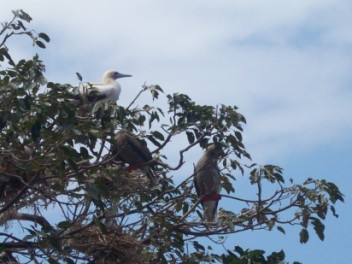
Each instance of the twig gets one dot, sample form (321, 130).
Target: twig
(140, 92)
(190, 210)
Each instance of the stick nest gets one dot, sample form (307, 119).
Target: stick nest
(107, 247)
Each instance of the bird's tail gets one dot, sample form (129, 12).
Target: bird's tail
(210, 208)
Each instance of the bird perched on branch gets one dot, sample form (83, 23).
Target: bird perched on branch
(108, 90)
(134, 151)
(207, 181)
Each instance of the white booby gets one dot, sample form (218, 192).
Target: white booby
(134, 151)
(207, 181)
(108, 90)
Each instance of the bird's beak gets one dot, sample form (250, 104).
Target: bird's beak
(121, 75)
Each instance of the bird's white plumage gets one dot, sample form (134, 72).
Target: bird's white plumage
(108, 90)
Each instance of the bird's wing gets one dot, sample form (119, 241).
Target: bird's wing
(196, 183)
(135, 152)
(91, 91)
(98, 91)
(207, 183)
(111, 90)
(139, 146)
(207, 177)
(131, 149)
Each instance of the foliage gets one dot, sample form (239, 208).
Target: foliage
(56, 159)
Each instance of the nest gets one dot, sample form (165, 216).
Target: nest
(110, 247)
(122, 180)
(16, 179)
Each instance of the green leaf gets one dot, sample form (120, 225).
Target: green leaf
(154, 116)
(281, 229)
(322, 210)
(22, 15)
(64, 224)
(44, 36)
(256, 254)
(55, 242)
(303, 236)
(40, 44)
(227, 185)
(158, 135)
(319, 228)
(238, 135)
(239, 250)
(332, 208)
(69, 261)
(79, 76)
(198, 246)
(157, 87)
(190, 137)
(84, 153)
(36, 130)
(276, 257)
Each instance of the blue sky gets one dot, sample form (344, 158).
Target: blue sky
(286, 64)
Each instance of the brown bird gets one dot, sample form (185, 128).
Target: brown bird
(134, 151)
(207, 181)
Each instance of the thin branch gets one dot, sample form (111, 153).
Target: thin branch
(140, 92)
(33, 218)
(190, 210)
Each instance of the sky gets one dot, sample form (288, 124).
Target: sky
(286, 64)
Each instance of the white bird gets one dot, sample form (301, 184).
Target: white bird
(207, 181)
(108, 90)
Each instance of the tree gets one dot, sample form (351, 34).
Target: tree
(59, 156)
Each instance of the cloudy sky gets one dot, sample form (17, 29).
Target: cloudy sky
(286, 64)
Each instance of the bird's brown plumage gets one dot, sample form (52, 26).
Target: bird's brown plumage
(134, 151)
(207, 181)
